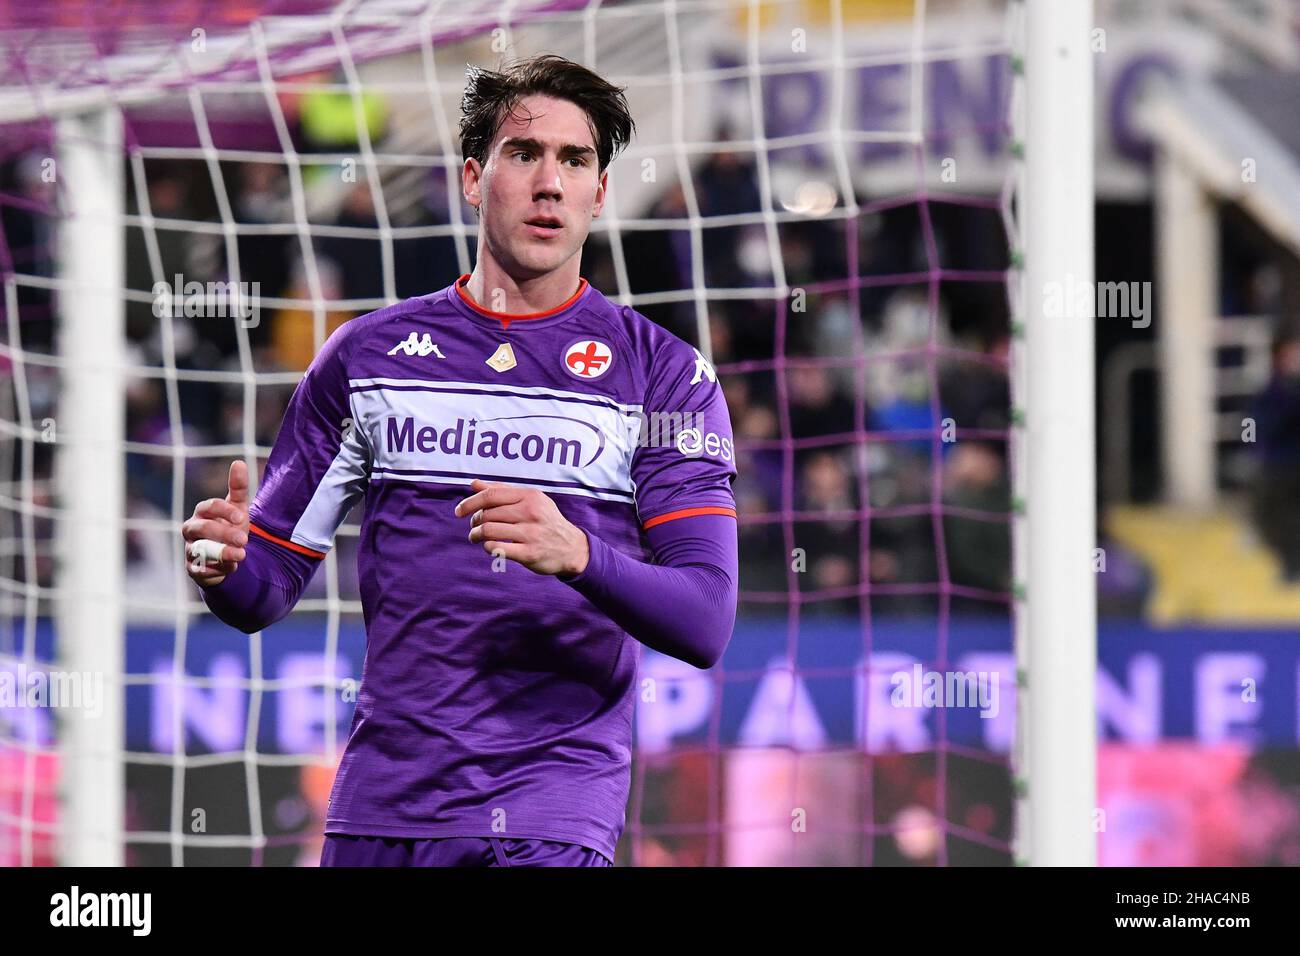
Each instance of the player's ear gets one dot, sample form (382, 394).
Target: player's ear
(601, 186)
(471, 182)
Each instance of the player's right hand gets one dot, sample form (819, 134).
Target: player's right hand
(224, 522)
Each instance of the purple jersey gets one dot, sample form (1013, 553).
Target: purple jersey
(495, 702)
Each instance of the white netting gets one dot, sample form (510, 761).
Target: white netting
(850, 158)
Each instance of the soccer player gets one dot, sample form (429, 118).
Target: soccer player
(547, 484)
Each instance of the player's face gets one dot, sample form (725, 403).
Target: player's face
(540, 188)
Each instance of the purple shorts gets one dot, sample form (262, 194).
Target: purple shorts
(342, 849)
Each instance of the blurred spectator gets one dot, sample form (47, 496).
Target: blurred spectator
(751, 329)
(816, 406)
(148, 476)
(900, 380)
(359, 258)
(27, 224)
(328, 117)
(1270, 830)
(825, 483)
(293, 329)
(726, 185)
(902, 543)
(262, 199)
(834, 329)
(425, 264)
(1275, 492)
(978, 549)
(659, 260)
(1125, 588)
(977, 394)
(167, 200)
(757, 489)
(798, 255)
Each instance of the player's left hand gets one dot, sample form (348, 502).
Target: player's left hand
(524, 525)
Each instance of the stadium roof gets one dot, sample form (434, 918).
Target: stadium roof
(1215, 125)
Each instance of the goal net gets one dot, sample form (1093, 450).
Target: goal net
(821, 198)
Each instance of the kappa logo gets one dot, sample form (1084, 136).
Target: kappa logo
(703, 368)
(416, 344)
(588, 359)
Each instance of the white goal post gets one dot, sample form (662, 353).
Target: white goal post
(91, 480)
(1052, 443)
(1055, 462)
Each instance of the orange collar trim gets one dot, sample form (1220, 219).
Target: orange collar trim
(506, 317)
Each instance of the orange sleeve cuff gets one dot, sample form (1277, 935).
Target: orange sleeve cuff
(688, 513)
(283, 543)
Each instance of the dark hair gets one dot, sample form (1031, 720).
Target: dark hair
(490, 96)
